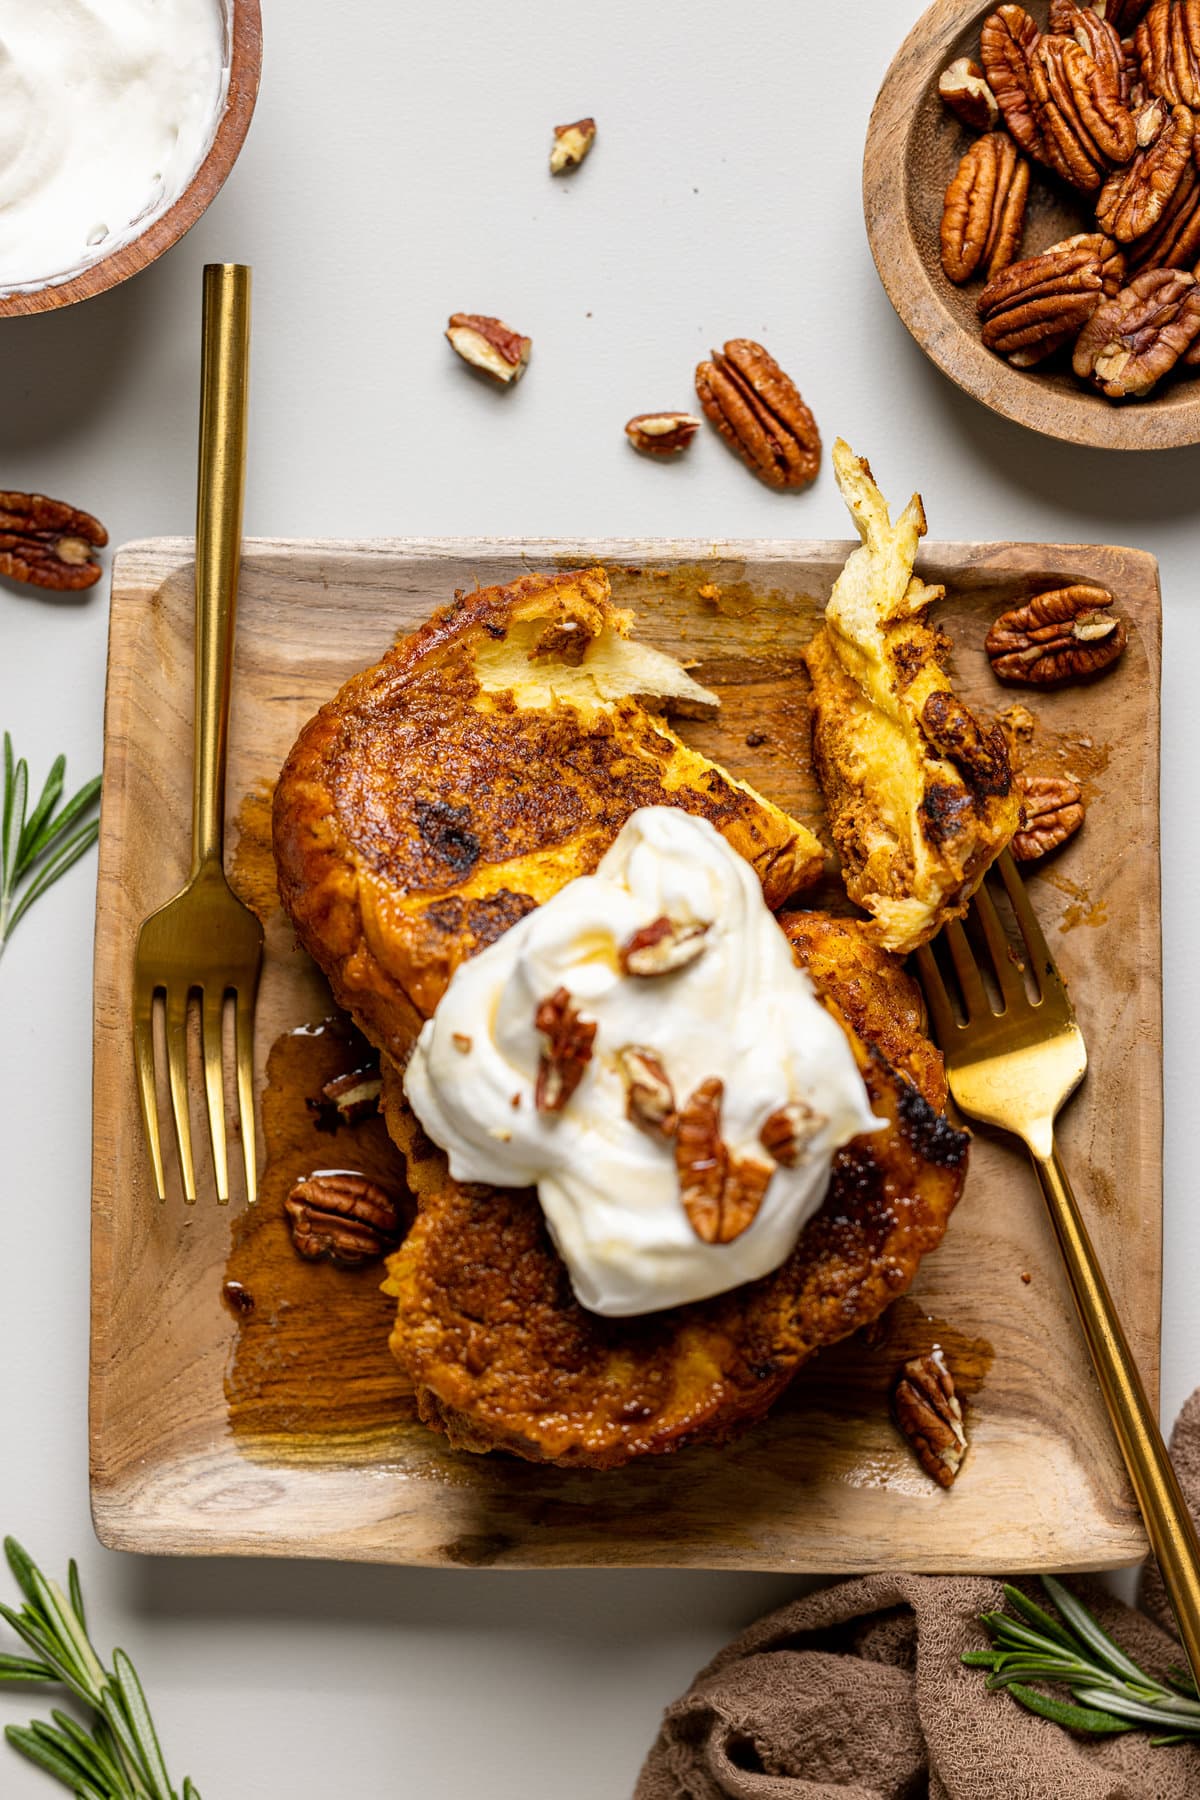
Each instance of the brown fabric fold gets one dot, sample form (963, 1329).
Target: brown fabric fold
(857, 1693)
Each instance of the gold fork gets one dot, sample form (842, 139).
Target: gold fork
(1015, 1068)
(204, 941)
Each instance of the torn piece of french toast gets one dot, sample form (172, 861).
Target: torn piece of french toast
(490, 758)
(921, 796)
(502, 1355)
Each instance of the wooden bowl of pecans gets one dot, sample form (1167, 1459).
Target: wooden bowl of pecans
(1054, 219)
(243, 36)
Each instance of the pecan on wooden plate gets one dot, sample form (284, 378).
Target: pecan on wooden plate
(930, 1416)
(48, 543)
(343, 1216)
(1134, 198)
(1007, 42)
(721, 1193)
(1168, 47)
(1066, 634)
(568, 1051)
(984, 212)
(1086, 126)
(1096, 35)
(490, 346)
(759, 412)
(1052, 811)
(1174, 243)
(1038, 305)
(1132, 340)
(964, 89)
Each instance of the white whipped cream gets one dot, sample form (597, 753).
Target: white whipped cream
(107, 109)
(742, 1012)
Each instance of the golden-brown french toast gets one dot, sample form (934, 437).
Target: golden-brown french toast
(500, 1352)
(490, 758)
(921, 796)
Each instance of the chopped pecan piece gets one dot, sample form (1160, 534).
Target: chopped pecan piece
(343, 1216)
(1134, 198)
(1007, 42)
(964, 89)
(1067, 634)
(663, 946)
(788, 1130)
(1052, 810)
(661, 434)
(929, 1414)
(490, 346)
(567, 1053)
(650, 1101)
(721, 1193)
(348, 1098)
(1168, 46)
(759, 412)
(984, 213)
(571, 145)
(1035, 307)
(1086, 125)
(1174, 243)
(1137, 337)
(48, 543)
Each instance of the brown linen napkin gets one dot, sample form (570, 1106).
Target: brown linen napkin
(857, 1693)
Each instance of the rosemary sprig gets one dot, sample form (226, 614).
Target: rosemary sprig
(36, 850)
(1109, 1692)
(116, 1756)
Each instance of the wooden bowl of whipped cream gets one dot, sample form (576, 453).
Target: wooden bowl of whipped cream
(118, 126)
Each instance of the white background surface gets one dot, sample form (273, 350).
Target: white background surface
(396, 172)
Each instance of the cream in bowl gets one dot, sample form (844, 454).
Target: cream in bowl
(107, 110)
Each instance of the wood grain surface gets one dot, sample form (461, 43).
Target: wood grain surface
(245, 70)
(913, 147)
(268, 1419)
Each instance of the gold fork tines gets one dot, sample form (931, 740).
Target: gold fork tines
(204, 944)
(1012, 1058)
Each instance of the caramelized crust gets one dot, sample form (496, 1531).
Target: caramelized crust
(489, 759)
(501, 1354)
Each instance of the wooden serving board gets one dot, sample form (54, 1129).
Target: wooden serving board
(267, 1417)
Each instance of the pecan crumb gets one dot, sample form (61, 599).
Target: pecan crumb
(567, 1053)
(1026, 1277)
(490, 346)
(462, 1043)
(662, 434)
(930, 1416)
(663, 946)
(755, 738)
(571, 145)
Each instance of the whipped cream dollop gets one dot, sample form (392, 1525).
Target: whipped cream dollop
(740, 1012)
(107, 109)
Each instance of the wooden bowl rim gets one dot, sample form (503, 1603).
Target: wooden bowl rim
(245, 70)
(1079, 418)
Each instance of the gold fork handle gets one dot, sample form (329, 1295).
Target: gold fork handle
(223, 406)
(1169, 1524)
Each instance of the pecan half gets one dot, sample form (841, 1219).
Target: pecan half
(343, 1216)
(490, 346)
(1035, 307)
(1052, 810)
(789, 1130)
(1174, 243)
(1085, 123)
(661, 434)
(759, 412)
(964, 89)
(663, 946)
(650, 1098)
(1122, 15)
(1137, 337)
(981, 757)
(929, 1414)
(1007, 41)
(571, 145)
(721, 1193)
(984, 212)
(567, 1053)
(1066, 634)
(1168, 47)
(1134, 198)
(1093, 33)
(48, 543)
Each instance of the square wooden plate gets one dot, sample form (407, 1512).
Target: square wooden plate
(283, 1428)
